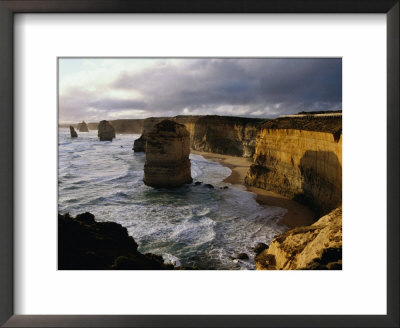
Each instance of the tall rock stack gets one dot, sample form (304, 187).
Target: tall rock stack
(73, 132)
(106, 131)
(167, 156)
(82, 127)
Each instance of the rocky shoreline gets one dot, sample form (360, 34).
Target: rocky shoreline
(86, 244)
(294, 160)
(313, 247)
(308, 244)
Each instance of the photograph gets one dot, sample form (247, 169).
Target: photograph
(199, 163)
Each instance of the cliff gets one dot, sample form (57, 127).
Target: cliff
(314, 247)
(167, 156)
(227, 135)
(127, 126)
(93, 125)
(300, 159)
(84, 244)
(235, 136)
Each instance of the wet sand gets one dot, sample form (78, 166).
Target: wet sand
(297, 214)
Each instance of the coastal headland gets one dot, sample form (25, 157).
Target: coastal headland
(290, 162)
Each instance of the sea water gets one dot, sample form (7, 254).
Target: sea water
(192, 226)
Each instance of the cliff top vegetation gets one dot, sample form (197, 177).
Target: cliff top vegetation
(318, 124)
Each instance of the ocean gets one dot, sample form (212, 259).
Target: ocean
(191, 226)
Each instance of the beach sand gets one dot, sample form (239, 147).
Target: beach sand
(297, 214)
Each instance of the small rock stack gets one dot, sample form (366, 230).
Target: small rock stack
(82, 127)
(167, 156)
(106, 131)
(73, 132)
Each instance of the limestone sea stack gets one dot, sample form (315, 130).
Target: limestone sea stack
(82, 127)
(106, 131)
(167, 156)
(73, 132)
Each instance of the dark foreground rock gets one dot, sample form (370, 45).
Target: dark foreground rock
(106, 131)
(73, 132)
(259, 248)
(84, 244)
(242, 256)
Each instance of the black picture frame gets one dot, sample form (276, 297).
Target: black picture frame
(10, 7)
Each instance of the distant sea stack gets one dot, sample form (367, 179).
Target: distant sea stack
(73, 132)
(167, 156)
(82, 127)
(106, 131)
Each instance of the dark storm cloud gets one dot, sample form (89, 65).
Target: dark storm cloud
(245, 87)
(117, 104)
(295, 84)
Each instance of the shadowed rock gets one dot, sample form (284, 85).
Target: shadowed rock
(82, 127)
(106, 131)
(73, 132)
(167, 156)
(84, 244)
(139, 144)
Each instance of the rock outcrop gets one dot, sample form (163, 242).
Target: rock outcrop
(300, 160)
(73, 132)
(82, 127)
(314, 247)
(139, 145)
(167, 156)
(106, 131)
(84, 244)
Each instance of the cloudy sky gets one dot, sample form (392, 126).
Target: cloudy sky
(95, 89)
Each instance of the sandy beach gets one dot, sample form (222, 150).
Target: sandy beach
(297, 215)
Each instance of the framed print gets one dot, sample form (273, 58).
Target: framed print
(189, 138)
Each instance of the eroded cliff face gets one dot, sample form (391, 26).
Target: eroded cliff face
(314, 247)
(226, 135)
(122, 125)
(300, 164)
(167, 156)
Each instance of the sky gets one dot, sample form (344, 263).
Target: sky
(93, 89)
